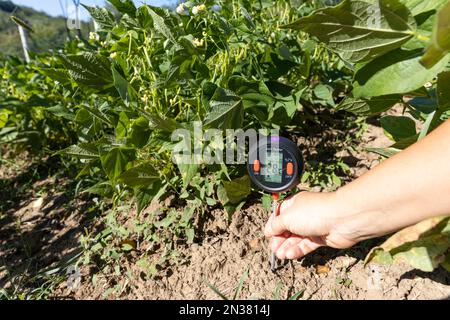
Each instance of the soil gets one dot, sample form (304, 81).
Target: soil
(53, 223)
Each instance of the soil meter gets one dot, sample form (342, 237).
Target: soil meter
(275, 165)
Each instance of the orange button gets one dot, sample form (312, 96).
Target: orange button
(256, 165)
(290, 169)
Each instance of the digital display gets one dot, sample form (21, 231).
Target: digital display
(272, 169)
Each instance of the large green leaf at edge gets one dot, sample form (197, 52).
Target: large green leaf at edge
(424, 245)
(440, 46)
(398, 71)
(420, 6)
(353, 30)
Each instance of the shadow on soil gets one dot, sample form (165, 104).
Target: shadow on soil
(41, 220)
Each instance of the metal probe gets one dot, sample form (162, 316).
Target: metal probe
(273, 258)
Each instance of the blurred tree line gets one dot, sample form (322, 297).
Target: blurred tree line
(48, 32)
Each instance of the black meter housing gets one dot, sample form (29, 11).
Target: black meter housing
(275, 164)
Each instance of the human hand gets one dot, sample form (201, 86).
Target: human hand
(306, 222)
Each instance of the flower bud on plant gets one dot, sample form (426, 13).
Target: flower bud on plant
(198, 43)
(197, 9)
(113, 55)
(182, 10)
(94, 36)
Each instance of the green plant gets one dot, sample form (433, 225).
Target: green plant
(237, 290)
(398, 51)
(150, 71)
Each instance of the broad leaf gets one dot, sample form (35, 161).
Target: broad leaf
(144, 175)
(420, 6)
(82, 151)
(441, 39)
(226, 112)
(369, 107)
(116, 160)
(102, 16)
(140, 132)
(126, 91)
(124, 6)
(423, 246)
(160, 25)
(396, 72)
(89, 69)
(236, 190)
(360, 30)
(398, 127)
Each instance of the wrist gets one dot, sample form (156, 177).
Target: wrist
(354, 221)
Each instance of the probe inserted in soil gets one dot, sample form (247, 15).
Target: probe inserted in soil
(274, 165)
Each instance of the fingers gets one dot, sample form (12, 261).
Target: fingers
(277, 241)
(300, 249)
(294, 247)
(280, 224)
(286, 246)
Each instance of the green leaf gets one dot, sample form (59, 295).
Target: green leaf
(226, 111)
(59, 75)
(160, 25)
(124, 6)
(188, 171)
(424, 246)
(398, 127)
(325, 93)
(159, 123)
(122, 125)
(297, 295)
(385, 152)
(81, 151)
(126, 91)
(443, 91)
(142, 175)
(98, 114)
(441, 39)
(397, 72)
(102, 16)
(140, 132)
(369, 107)
(236, 190)
(360, 30)
(116, 161)
(89, 69)
(145, 196)
(404, 143)
(62, 111)
(240, 284)
(420, 6)
(3, 119)
(103, 189)
(426, 126)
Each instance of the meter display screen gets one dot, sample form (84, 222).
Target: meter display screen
(272, 169)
